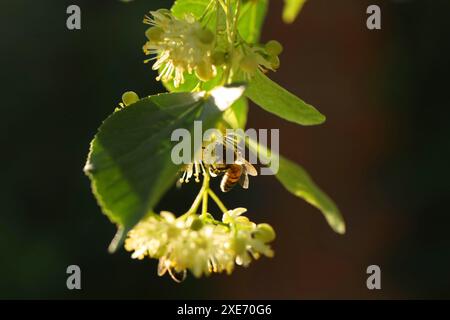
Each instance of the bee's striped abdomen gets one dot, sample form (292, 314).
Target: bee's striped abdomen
(231, 177)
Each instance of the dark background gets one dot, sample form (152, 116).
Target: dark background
(382, 154)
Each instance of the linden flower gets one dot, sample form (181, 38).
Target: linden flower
(250, 240)
(212, 154)
(203, 251)
(259, 57)
(202, 164)
(152, 235)
(179, 46)
(181, 244)
(193, 169)
(203, 246)
(196, 169)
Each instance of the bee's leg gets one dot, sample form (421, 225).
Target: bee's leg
(223, 184)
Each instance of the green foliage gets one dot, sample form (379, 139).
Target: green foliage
(190, 83)
(291, 9)
(130, 158)
(130, 163)
(195, 7)
(252, 17)
(277, 100)
(236, 116)
(297, 181)
(253, 13)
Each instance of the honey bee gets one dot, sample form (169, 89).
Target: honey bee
(235, 172)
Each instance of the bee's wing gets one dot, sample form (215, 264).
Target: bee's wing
(243, 180)
(250, 169)
(247, 166)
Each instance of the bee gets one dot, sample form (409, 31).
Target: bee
(236, 172)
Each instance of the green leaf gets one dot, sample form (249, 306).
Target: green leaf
(190, 83)
(291, 9)
(130, 163)
(297, 181)
(251, 20)
(196, 7)
(277, 100)
(236, 116)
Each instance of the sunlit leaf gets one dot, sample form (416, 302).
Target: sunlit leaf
(253, 13)
(236, 116)
(298, 182)
(273, 98)
(196, 7)
(130, 163)
(291, 9)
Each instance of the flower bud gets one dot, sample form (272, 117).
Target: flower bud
(196, 225)
(274, 48)
(264, 232)
(205, 36)
(274, 62)
(165, 12)
(154, 34)
(129, 98)
(249, 64)
(205, 71)
(218, 58)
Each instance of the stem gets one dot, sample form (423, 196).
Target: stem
(196, 203)
(205, 195)
(232, 19)
(235, 19)
(210, 7)
(201, 196)
(224, 7)
(217, 201)
(229, 22)
(205, 204)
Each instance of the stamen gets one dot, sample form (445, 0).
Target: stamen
(189, 173)
(163, 74)
(204, 172)
(183, 176)
(163, 265)
(177, 276)
(197, 172)
(212, 266)
(211, 172)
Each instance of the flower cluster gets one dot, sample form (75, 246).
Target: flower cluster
(199, 244)
(179, 46)
(184, 46)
